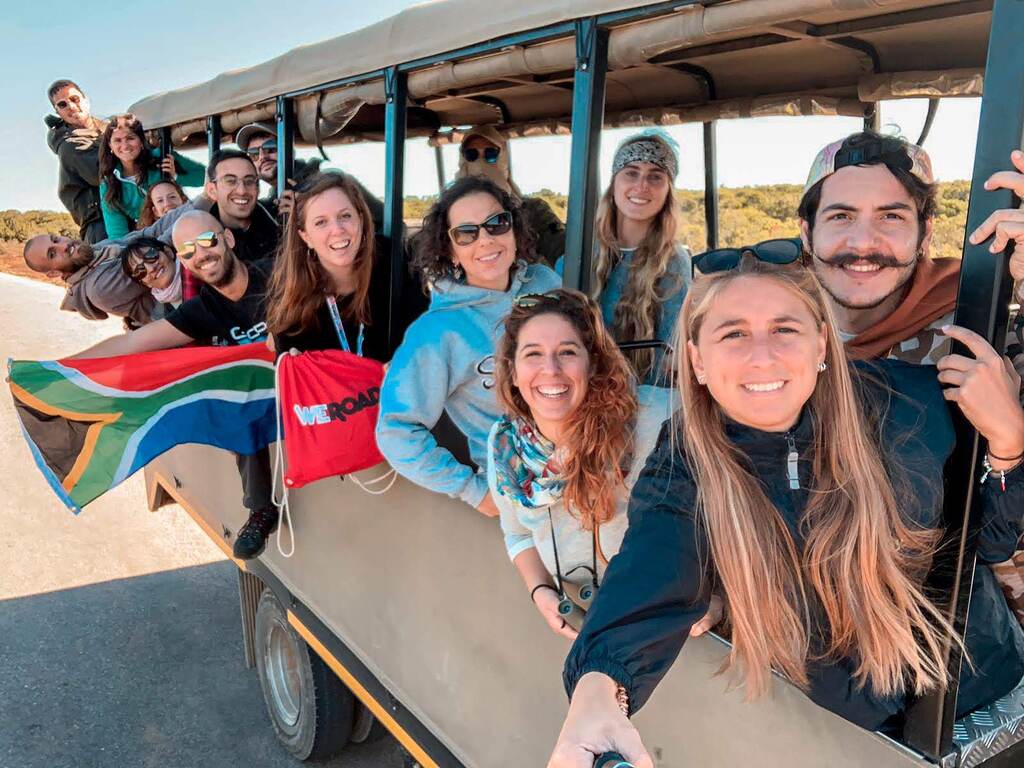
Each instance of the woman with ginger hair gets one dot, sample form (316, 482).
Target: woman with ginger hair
(808, 493)
(575, 435)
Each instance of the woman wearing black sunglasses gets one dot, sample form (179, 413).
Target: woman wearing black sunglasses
(474, 254)
(485, 153)
(152, 263)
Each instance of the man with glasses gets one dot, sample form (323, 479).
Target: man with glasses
(74, 137)
(259, 141)
(232, 181)
(228, 310)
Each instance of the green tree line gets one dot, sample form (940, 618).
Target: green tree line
(747, 215)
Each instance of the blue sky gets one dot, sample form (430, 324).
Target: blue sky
(121, 52)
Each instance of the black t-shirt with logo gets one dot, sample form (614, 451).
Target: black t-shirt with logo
(212, 319)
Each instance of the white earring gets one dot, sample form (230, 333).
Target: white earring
(702, 379)
(822, 366)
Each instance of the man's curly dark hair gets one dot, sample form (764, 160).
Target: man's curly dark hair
(432, 251)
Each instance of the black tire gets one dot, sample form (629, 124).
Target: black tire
(310, 708)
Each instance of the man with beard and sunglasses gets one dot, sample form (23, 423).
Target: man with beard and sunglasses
(866, 221)
(228, 310)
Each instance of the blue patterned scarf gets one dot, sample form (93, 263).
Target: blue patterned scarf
(526, 464)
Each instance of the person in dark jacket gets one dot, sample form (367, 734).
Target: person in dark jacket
(816, 517)
(232, 182)
(74, 137)
(331, 255)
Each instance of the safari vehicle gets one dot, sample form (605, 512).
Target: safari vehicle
(402, 606)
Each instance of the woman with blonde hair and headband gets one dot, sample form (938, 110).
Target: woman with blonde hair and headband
(484, 152)
(641, 272)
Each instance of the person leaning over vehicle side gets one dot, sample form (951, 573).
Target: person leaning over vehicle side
(229, 310)
(475, 256)
(866, 219)
(74, 137)
(259, 141)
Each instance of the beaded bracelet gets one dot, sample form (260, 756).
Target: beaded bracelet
(987, 466)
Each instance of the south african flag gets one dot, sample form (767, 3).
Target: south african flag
(92, 423)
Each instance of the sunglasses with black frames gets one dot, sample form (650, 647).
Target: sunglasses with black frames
(467, 234)
(778, 251)
(266, 148)
(490, 154)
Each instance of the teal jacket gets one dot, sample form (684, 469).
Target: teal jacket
(120, 218)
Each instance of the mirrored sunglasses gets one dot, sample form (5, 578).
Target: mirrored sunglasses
(266, 148)
(490, 154)
(779, 251)
(187, 249)
(467, 234)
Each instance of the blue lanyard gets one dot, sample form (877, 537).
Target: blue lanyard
(332, 306)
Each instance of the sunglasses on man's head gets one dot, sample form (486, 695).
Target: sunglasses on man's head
(779, 251)
(187, 249)
(490, 154)
(63, 103)
(266, 148)
(467, 234)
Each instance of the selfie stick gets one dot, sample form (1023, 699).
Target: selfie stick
(611, 760)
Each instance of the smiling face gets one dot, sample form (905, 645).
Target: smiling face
(165, 198)
(865, 237)
(72, 106)
(159, 274)
(234, 188)
(489, 258)
(56, 255)
(214, 264)
(640, 190)
(552, 369)
(263, 151)
(125, 145)
(759, 348)
(332, 229)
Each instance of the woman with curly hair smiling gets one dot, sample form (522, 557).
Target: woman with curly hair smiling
(562, 461)
(476, 255)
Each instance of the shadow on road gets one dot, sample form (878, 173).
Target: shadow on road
(147, 671)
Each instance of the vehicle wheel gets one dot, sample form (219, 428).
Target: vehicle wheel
(310, 708)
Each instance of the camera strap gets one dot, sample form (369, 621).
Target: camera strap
(558, 566)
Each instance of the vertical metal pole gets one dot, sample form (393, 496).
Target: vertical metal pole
(214, 135)
(711, 183)
(395, 95)
(439, 165)
(285, 143)
(166, 146)
(982, 306)
(873, 118)
(587, 119)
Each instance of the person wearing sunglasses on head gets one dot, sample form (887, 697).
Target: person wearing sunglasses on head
(475, 256)
(259, 141)
(153, 264)
(331, 285)
(561, 380)
(129, 167)
(230, 309)
(73, 135)
(641, 271)
(808, 490)
(484, 152)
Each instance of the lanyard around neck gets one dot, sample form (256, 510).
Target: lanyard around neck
(332, 307)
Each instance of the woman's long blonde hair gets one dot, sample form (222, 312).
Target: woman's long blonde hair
(863, 563)
(639, 309)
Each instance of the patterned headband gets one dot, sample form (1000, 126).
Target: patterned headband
(646, 151)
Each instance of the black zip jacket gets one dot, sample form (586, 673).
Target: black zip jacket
(652, 593)
(79, 179)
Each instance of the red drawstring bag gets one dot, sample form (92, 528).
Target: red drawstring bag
(327, 403)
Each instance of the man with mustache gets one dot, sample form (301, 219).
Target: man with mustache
(228, 310)
(866, 221)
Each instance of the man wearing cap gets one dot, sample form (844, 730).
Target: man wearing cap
(74, 137)
(866, 220)
(484, 152)
(259, 141)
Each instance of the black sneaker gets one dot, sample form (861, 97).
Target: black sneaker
(252, 537)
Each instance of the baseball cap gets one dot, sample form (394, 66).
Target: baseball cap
(247, 132)
(890, 150)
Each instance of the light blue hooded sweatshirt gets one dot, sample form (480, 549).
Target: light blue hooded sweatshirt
(446, 363)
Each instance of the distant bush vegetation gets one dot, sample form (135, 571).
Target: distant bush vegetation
(748, 215)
